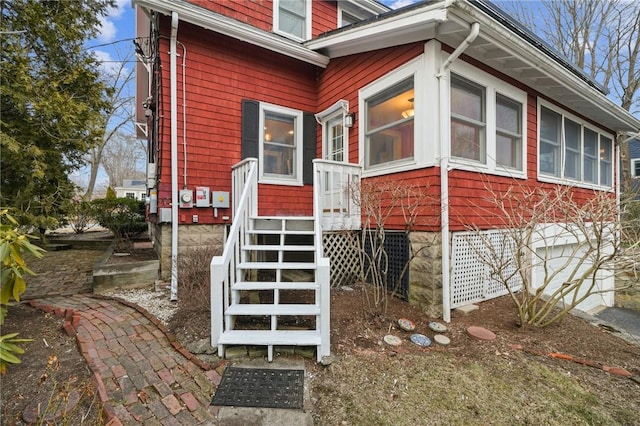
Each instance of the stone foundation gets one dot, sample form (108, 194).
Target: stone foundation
(425, 273)
(189, 237)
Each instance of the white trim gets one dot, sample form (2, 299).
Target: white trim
(308, 19)
(492, 86)
(230, 27)
(296, 180)
(415, 69)
(634, 161)
(542, 177)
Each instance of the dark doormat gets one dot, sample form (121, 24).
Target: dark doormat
(260, 387)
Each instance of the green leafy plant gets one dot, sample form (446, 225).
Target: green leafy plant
(13, 244)
(122, 216)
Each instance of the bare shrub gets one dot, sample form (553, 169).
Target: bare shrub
(573, 242)
(194, 275)
(379, 201)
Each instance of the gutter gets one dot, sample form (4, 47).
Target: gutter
(174, 154)
(445, 153)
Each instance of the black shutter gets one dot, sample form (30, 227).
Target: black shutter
(250, 128)
(309, 133)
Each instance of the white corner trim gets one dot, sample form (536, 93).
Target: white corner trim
(230, 27)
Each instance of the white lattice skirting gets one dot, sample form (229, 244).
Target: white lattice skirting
(470, 277)
(342, 249)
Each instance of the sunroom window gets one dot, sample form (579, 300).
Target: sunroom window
(585, 154)
(389, 129)
(468, 120)
(606, 161)
(508, 133)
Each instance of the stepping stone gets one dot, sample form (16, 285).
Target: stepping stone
(437, 327)
(466, 310)
(420, 339)
(441, 340)
(480, 333)
(392, 340)
(406, 324)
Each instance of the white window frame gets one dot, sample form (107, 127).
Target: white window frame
(339, 109)
(414, 68)
(544, 177)
(492, 86)
(307, 21)
(297, 115)
(342, 10)
(634, 162)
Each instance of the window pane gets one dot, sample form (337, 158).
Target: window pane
(467, 99)
(636, 168)
(466, 140)
(590, 156)
(550, 125)
(509, 133)
(606, 159)
(294, 6)
(572, 137)
(279, 144)
(467, 119)
(508, 115)
(394, 143)
(335, 139)
(291, 24)
(389, 134)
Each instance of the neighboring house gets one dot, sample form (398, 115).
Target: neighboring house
(449, 95)
(634, 159)
(132, 188)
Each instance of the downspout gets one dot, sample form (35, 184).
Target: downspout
(174, 155)
(445, 148)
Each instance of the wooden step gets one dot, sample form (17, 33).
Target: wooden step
(279, 232)
(270, 337)
(264, 309)
(289, 223)
(287, 285)
(277, 265)
(276, 247)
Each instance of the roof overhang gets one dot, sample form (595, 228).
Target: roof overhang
(496, 46)
(209, 20)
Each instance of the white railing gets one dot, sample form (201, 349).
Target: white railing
(224, 273)
(335, 195)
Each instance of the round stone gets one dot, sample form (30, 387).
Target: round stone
(480, 333)
(441, 339)
(437, 327)
(392, 340)
(406, 324)
(420, 339)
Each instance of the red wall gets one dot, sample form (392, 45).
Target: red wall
(220, 72)
(259, 13)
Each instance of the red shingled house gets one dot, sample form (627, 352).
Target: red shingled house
(258, 113)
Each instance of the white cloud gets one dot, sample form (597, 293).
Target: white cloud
(401, 3)
(107, 31)
(107, 65)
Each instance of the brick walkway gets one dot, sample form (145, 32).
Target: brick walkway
(142, 374)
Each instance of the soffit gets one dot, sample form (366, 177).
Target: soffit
(495, 46)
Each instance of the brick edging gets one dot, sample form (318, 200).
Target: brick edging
(72, 320)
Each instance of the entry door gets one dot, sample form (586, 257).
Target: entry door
(334, 150)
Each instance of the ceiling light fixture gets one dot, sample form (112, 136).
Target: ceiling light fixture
(409, 112)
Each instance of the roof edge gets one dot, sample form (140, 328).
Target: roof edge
(213, 21)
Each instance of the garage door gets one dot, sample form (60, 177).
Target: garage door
(556, 260)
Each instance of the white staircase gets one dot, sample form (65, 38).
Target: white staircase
(271, 285)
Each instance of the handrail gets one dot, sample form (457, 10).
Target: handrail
(223, 267)
(335, 203)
